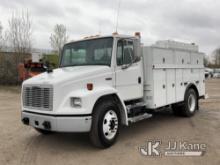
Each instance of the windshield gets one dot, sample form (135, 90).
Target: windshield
(89, 52)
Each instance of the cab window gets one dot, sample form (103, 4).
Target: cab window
(125, 52)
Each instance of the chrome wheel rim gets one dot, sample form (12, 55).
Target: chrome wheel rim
(110, 124)
(192, 103)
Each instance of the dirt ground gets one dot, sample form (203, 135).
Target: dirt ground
(20, 144)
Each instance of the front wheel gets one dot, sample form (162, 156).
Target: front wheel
(105, 124)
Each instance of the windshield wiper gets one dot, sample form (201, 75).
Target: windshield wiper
(84, 65)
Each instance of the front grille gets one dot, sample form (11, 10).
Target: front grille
(38, 97)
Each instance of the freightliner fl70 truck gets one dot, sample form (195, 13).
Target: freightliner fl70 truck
(104, 82)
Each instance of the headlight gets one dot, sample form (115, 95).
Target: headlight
(75, 102)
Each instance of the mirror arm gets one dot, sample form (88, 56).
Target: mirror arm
(124, 66)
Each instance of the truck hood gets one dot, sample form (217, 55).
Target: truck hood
(68, 74)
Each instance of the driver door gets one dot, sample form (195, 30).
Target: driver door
(129, 75)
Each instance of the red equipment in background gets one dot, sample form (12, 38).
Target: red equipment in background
(30, 69)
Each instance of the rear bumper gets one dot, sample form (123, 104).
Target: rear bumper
(57, 123)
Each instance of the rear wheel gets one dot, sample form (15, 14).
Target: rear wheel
(189, 106)
(105, 124)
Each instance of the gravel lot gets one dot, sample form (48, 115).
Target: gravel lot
(20, 144)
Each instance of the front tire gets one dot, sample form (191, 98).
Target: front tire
(105, 124)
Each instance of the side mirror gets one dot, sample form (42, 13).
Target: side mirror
(48, 67)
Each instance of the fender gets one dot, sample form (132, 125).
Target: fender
(192, 85)
(89, 99)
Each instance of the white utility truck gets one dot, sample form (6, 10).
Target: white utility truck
(104, 82)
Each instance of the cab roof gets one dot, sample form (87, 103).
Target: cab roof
(104, 36)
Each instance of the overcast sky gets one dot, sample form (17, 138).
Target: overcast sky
(195, 21)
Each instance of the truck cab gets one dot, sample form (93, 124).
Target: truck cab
(104, 82)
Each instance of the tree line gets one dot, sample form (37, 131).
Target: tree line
(18, 38)
(16, 43)
(213, 61)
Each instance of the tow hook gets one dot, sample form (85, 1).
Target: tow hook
(25, 121)
(47, 125)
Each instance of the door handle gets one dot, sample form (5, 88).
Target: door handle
(139, 80)
(108, 78)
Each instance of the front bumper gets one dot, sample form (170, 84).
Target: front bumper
(57, 123)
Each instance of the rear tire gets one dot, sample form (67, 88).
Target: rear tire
(105, 124)
(189, 106)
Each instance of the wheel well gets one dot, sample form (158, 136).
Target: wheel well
(115, 98)
(192, 86)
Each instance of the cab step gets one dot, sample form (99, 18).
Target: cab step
(139, 117)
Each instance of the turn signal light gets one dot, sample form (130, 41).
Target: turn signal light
(90, 86)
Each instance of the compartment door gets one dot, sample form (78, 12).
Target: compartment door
(171, 87)
(159, 87)
(180, 89)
